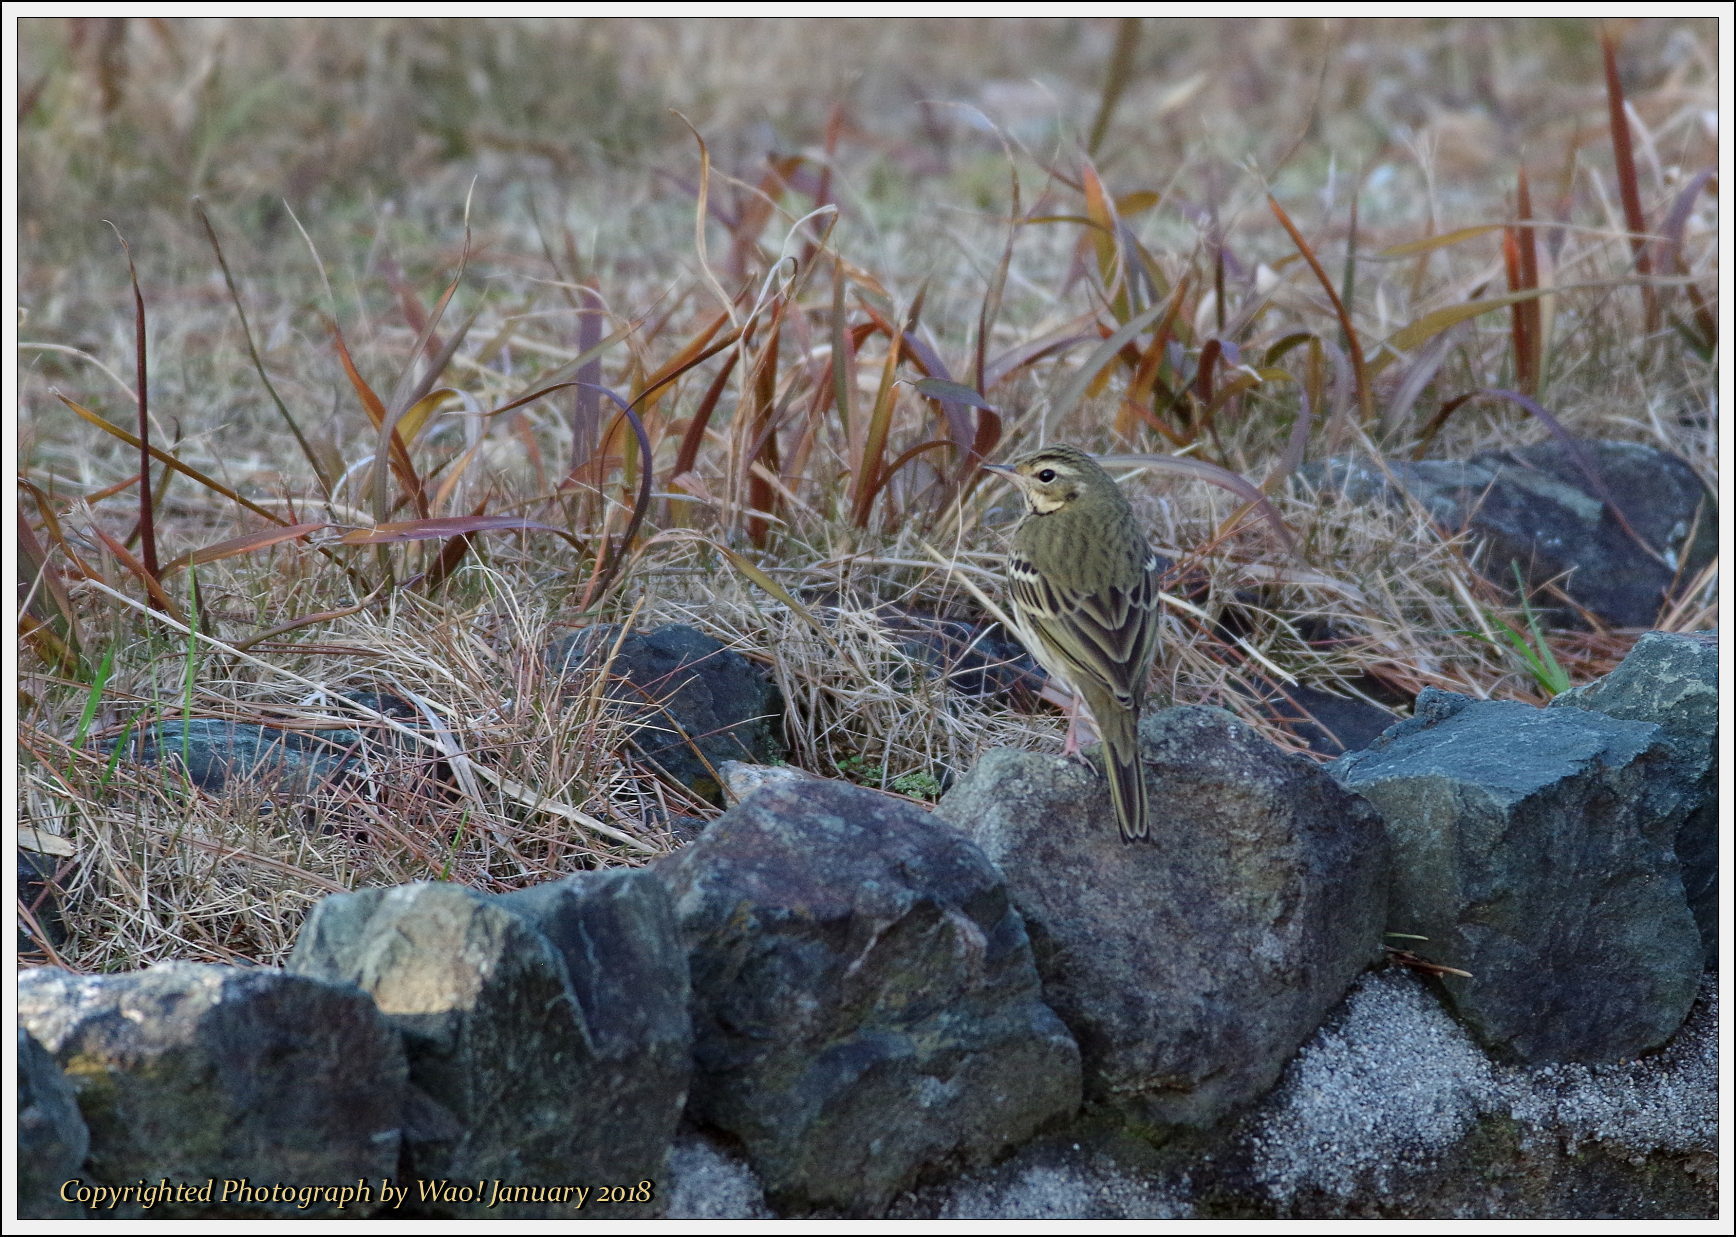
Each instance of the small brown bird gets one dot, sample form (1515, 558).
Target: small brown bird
(1085, 587)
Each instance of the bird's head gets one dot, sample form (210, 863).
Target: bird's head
(1056, 477)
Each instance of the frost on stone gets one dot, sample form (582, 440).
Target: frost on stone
(1659, 1102)
(705, 1183)
(1390, 1085)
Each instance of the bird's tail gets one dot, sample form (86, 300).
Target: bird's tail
(1118, 726)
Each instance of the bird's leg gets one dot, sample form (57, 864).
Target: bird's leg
(1081, 729)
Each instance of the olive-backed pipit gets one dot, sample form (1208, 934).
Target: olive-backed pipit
(1085, 588)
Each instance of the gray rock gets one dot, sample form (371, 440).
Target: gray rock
(215, 1075)
(1328, 725)
(741, 779)
(215, 753)
(1392, 1110)
(700, 702)
(40, 879)
(495, 1040)
(976, 660)
(1534, 849)
(865, 1004)
(294, 764)
(1535, 506)
(616, 932)
(1191, 969)
(1672, 681)
(52, 1135)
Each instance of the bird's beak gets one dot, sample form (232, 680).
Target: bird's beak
(1003, 469)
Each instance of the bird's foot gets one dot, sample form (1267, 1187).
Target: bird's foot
(1080, 731)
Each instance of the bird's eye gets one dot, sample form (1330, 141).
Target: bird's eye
(1046, 476)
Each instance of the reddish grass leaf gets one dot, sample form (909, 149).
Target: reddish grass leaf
(246, 544)
(1358, 366)
(398, 531)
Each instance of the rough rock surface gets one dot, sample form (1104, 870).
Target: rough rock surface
(1390, 1111)
(52, 1136)
(1328, 724)
(497, 1045)
(1534, 848)
(616, 932)
(1536, 506)
(289, 762)
(741, 779)
(214, 753)
(1672, 681)
(865, 1005)
(700, 702)
(195, 1072)
(40, 879)
(1189, 969)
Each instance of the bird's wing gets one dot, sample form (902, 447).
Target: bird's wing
(1114, 631)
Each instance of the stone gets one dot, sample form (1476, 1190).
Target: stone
(1327, 724)
(1190, 968)
(41, 878)
(699, 702)
(1391, 1110)
(615, 931)
(1671, 680)
(495, 1040)
(741, 779)
(290, 764)
(866, 1009)
(215, 753)
(1537, 507)
(975, 660)
(200, 1073)
(1534, 848)
(52, 1136)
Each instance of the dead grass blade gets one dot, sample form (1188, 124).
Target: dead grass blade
(611, 557)
(1414, 334)
(870, 460)
(153, 584)
(1670, 256)
(156, 453)
(47, 619)
(1429, 244)
(309, 620)
(246, 544)
(437, 528)
(1200, 470)
(147, 525)
(1104, 229)
(1073, 391)
(1352, 342)
(1121, 62)
(391, 444)
(1519, 249)
(307, 450)
(1627, 178)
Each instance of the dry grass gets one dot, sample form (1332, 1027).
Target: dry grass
(906, 259)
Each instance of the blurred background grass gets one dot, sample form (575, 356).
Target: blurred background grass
(995, 200)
